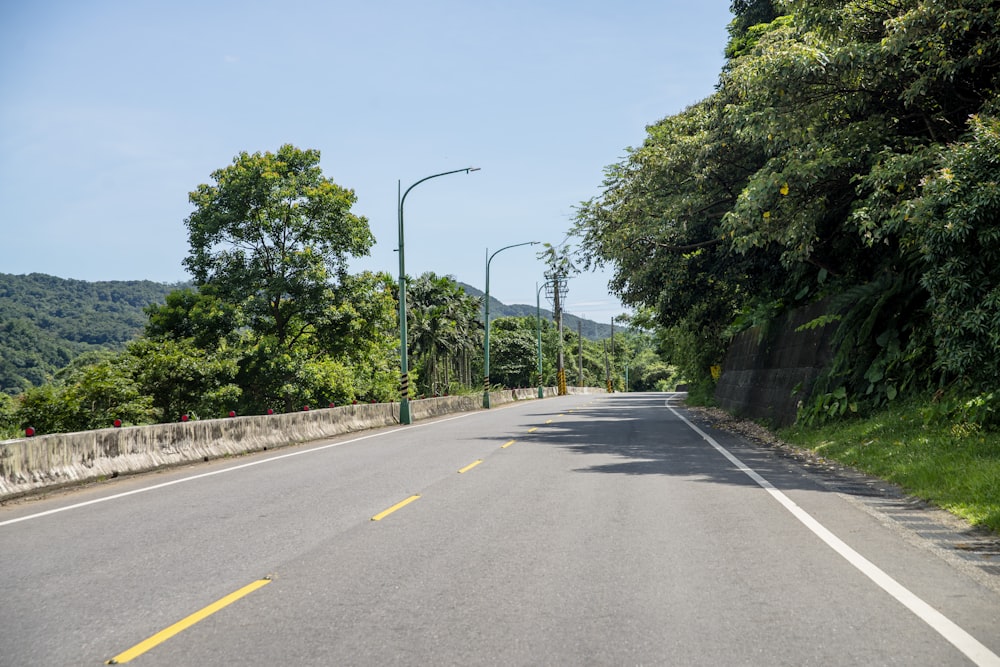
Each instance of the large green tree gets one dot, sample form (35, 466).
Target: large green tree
(272, 234)
(272, 237)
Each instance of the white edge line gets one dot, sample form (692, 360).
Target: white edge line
(959, 638)
(192, 478)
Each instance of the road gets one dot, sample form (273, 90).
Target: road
(581, 530)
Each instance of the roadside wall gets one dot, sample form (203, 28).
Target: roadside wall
(64, 458)
(767, 372)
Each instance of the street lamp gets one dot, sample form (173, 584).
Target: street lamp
(404, 375)
(486, 343)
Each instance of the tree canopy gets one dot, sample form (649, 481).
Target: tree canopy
(272, 234)
(271, 238)
(850, 153)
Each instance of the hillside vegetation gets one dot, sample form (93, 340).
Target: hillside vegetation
(46, 322)
(850, 152)
(589, 329)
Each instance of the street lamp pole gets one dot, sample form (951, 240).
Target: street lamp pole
(486, 342)
(404, 374)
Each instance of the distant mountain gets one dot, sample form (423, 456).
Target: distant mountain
(46, 322)
(590, 329)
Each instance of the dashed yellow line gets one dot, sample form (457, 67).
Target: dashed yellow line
(185, 623)
(507, 444)
(397, 506)
(470, 466)
(532, 429)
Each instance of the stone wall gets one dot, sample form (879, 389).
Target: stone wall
(767, 373)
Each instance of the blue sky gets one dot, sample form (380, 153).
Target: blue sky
(112, 111)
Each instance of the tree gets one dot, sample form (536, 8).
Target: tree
(8, 418)
(180, 377)
(91, 393)
(272, 238)
(444, 326)
(361, 328)
(197, 315)
(824, 167)
(513, 351)
(271, 235)
(956, 226)
(659, 223)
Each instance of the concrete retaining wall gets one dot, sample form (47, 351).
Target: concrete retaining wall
(767, 373)
(65, 458)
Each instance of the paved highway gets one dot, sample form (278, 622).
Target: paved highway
(581, 530)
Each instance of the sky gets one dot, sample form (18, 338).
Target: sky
(112, 111)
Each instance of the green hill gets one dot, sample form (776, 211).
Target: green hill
(591, 330)
(46, 322)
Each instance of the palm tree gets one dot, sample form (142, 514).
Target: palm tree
(443, 323)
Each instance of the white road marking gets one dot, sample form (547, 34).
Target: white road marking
(959, 638)
(192, 478)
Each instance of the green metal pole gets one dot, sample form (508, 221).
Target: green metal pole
(404, 375)
(538, 318)
(486, 342)
(486, 339)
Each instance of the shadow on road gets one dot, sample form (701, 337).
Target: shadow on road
(638, 435)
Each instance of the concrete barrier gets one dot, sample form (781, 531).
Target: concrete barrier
(47, 461)
(769, 370)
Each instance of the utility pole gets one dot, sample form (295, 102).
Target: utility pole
(560, 369)
(607, 368)
(579, 340)
(612, 352)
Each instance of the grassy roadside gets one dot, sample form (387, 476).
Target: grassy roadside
(954, 466)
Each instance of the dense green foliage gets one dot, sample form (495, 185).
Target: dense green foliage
(196, 357)
(271, 235)
(269, 245)
(273, 321)
(851, 153)
(444, 335)
(46, 322)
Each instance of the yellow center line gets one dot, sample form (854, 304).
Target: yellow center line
(470, 466)
(507, 444)
(532, 429)
(548, 421)
(382, 515)
(185, 623)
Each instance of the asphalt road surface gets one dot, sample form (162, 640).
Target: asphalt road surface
(581, 530)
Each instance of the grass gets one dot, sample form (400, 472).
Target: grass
(955, 466)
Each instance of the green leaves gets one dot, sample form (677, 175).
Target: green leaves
(271, 235)
(956, 231)
(853, 138)
(270, 241)
(444, 330)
